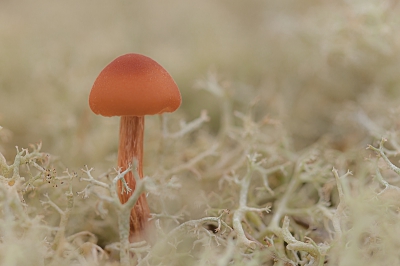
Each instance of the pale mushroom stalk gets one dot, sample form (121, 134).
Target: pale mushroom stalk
(130, 148)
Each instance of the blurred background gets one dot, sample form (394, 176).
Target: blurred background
(303, 62)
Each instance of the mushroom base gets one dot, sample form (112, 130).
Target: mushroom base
(131, 147)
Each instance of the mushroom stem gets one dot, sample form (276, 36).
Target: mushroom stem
(131, 147)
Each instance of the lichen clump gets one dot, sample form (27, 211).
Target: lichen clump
(241, 196)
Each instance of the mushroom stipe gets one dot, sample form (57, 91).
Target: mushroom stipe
(131, 141)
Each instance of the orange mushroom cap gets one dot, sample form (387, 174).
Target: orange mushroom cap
(134, 85)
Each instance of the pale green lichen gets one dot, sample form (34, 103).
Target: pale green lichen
(250, 178)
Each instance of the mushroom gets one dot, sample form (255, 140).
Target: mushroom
(132, 86)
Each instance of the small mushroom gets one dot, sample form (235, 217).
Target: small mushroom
(133, 86)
